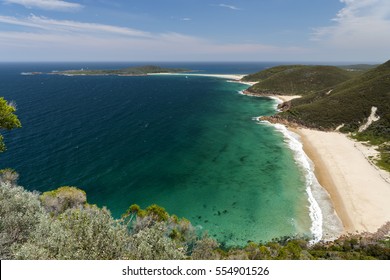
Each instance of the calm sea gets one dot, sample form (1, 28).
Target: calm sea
(189, 144)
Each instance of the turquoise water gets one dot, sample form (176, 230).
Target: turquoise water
(187, 144)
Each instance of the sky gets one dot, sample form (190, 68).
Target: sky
(195, 30)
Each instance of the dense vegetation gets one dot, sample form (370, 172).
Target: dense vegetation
(348, 103)
(60, 224)
(329, 101)
(133, 71)
(297, 79)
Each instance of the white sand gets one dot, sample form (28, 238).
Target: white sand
(359, 191)
(286, 98)
(279, 98)
(235, 77)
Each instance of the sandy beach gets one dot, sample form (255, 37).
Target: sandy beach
(278, 97)
(360, 192)
(285, 98)
(235, 77)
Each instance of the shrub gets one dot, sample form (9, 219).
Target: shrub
(151, 243)
(83, 234)
(63, 198)
(205, 249)
(20, 212)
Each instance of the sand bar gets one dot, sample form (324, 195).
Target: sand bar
(359, 191)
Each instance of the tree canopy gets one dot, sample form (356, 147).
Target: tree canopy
(8, 120)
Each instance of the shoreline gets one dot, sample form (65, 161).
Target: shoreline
(278, 97)
(359, 194)
(357, 190)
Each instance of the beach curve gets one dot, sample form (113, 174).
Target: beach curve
(359, 192)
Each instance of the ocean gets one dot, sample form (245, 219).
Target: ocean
(192, 145)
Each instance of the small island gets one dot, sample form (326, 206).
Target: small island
(129, 71)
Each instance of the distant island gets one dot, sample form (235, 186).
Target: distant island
(129, 71)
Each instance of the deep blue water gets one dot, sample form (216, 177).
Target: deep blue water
(188, 144)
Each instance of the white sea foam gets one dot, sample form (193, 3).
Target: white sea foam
(326, 225)
(314, 208)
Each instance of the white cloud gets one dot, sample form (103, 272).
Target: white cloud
(45, 39)
(57, 5)
(360, 28)
(72, 26)
(231, 7)
(185, 19)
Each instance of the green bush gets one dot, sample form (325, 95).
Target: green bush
(30, 231)
(77, 234)
(152, 243)
(20, 213)
(63, 198)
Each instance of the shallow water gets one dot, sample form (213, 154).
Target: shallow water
(187, 144)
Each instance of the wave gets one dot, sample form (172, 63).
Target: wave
(326, 225)
(300, 156)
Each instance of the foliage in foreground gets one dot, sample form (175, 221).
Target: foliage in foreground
(8, 120)
(61, 225)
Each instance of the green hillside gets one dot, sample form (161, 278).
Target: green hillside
(348, 103)
(297, 79)
(265, 74)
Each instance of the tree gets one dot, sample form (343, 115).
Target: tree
(8, 120)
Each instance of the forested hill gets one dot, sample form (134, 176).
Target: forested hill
(348, 104)
(297, 79)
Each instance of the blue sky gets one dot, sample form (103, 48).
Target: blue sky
(195, 30)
